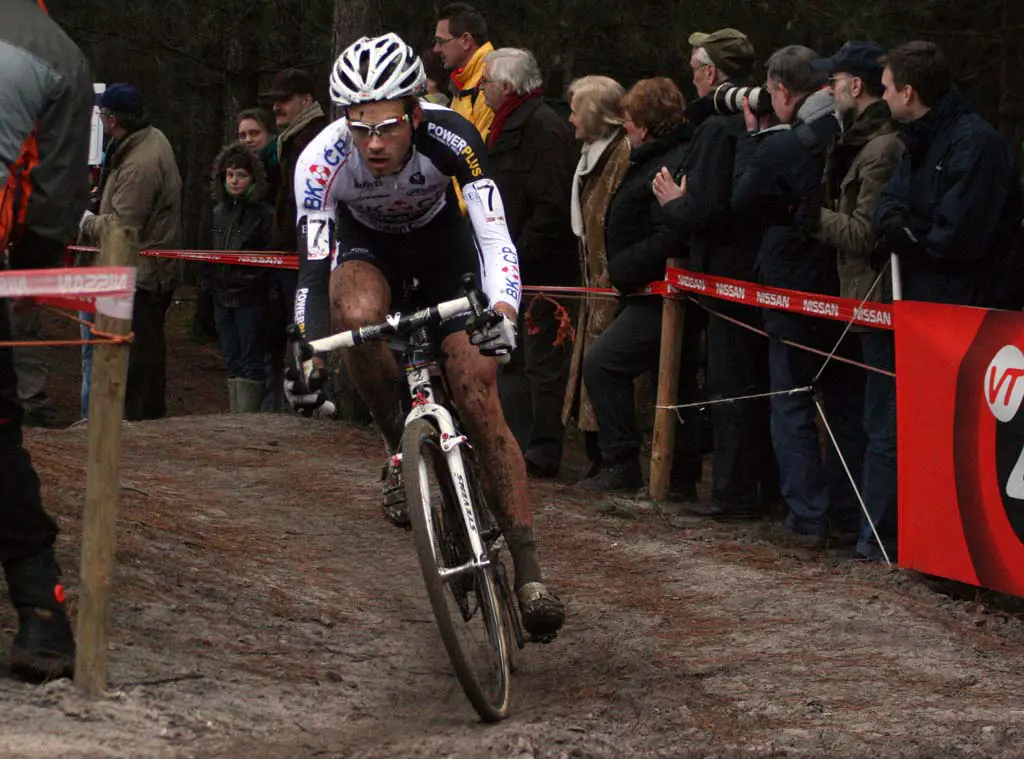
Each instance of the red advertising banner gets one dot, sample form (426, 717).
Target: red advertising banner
(960, 386)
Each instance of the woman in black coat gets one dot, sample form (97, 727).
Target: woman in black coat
(639, 239)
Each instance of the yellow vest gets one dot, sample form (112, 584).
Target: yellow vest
(469, 101)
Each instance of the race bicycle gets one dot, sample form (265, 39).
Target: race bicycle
(458, 541)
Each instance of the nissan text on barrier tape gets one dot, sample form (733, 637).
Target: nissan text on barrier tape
(110, 287)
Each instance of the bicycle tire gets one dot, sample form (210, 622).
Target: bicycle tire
(503, 572)
(420, 437)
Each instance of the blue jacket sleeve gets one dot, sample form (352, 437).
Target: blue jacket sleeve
(966, 220)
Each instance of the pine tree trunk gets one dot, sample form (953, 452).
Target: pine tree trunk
(352, 19)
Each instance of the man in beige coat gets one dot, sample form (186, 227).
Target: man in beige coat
(142, 193)
(857, 168)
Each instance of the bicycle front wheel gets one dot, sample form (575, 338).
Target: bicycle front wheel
(466, 606)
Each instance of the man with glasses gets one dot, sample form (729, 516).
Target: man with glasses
(461, 40)
(858, 165)
(744, 477)
(377, 215)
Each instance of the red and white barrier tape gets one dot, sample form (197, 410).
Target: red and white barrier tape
(106, 289)
(870, 314)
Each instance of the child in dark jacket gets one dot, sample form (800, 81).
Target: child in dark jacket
(242, 220)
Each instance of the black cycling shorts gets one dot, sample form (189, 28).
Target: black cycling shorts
(423, 267)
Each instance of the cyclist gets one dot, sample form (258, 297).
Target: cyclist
(376, 212)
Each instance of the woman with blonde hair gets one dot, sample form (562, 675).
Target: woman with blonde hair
(598, 117)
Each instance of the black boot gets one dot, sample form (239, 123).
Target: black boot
(619, 476)
(44, 647)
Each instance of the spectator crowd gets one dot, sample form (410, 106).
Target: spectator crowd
(807, 178)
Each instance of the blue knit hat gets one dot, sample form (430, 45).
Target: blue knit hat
(122, 98)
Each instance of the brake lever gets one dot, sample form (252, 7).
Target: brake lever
(302, 354)
(477, 300)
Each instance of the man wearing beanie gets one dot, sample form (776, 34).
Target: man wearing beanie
(143, 193)
(858, 165)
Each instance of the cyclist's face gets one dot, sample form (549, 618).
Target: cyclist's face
(382, 133)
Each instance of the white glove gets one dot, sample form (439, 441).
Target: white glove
(305, 398)
(495, 335)
(85, 217)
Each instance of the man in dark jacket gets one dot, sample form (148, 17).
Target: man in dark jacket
(640, 239)
(952, 209)
(744, 473)
(858, 165)
(778, 183)
(532, 157)
(44, 149)
(299, 119)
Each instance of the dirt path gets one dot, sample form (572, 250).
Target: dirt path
(264, 609)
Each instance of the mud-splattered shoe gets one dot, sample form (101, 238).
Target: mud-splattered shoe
(396, 511)
(542, 612)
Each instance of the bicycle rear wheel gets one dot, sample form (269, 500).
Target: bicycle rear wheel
(469, 613)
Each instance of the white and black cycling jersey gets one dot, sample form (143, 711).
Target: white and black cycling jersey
(331, 172)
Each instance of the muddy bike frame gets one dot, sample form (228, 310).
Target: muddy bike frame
(421, 366)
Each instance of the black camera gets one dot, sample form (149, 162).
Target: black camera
(728, 98)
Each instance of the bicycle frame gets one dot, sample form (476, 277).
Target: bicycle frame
(418, 365)
(419, 362)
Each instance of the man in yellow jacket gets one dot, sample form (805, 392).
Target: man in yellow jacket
(461, 40)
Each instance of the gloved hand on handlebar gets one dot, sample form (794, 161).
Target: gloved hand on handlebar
(306, 396)
(494, 333)
(304, 380)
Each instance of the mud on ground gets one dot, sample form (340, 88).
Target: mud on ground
(262, 608)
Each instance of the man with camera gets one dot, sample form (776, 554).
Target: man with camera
(952, 209)
(858, 165)
(701, 204)
(777, 186)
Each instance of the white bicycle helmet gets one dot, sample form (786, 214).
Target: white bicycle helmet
(377, 68)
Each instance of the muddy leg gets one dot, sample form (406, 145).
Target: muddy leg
(359, 296)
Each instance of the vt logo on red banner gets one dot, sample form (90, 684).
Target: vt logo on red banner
(1002, 391)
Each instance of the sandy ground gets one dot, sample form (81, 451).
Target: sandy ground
(264, 609)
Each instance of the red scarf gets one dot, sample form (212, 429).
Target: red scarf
(505, 109)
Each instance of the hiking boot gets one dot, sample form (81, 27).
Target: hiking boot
(542, 612)
(619, 477)
(396, 511)
(44, 646)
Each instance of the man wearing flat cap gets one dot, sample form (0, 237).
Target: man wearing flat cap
(858, 165)
(299, 119)
(744, 474)
(142, 193)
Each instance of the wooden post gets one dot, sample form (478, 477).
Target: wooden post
(102, 491)
(664, 438)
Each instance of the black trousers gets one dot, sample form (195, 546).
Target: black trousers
(25, 528)
(744, 472)
(147, 362)
(532, 384)
(630, 346)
